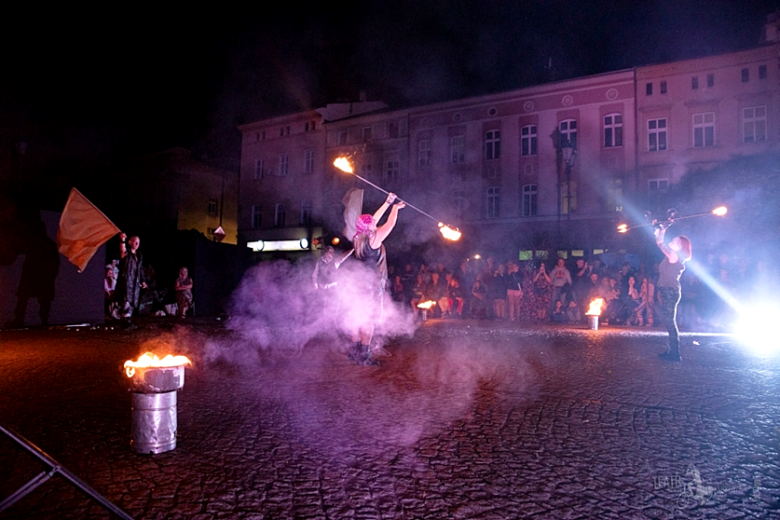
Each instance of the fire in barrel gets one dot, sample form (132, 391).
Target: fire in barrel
(154, 383)
(594, 311)
(425, 306)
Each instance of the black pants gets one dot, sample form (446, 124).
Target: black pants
(670, 297)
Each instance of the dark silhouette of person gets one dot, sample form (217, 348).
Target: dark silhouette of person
(39, 271)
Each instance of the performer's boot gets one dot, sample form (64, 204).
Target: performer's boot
(354, 353)
(673, 354)
(365, 356)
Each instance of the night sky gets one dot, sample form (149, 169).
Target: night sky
(85, 87)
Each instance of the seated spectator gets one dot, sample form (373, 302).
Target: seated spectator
(559, 314)
(479, 301)
(573, 312)
(183, 288)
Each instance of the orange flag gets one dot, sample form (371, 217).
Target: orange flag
(83, 229)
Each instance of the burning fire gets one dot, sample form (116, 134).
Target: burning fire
(448, 232)
(595, 307)
(342, 163)
(426, 305)
(719, 212)
(622, 228)
(149, 360)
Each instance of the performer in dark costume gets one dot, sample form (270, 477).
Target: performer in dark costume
(676, 253)
(131, 277)
(369, 249)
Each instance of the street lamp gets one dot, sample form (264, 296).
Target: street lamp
(568, 153)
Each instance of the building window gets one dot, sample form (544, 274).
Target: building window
(424, 153)
(754, 124)
(493, 207)
(392, 130)
(567, 130)
(657, 185)
(306, 212)
(259, 165)
(649, 89)
(530, 207)
(366, 134)
(392, 169)
(710, 80)
(695, 83)
(213, 207)
(663, 87)
(367, 165)
(762, 72)
(257, 216)
(656, 135)
(284, 162)
(528, 140)
(342, 139)
(704, 129)
(493, 144)
(459, 203)
(745, 75)
(308, 161)
(568, 197)
(613, 130)
(457, 149)
(615, 195)
(280, 215)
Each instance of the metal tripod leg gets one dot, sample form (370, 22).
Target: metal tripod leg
(44, 476)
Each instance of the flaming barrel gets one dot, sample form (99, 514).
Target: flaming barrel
(154, 389)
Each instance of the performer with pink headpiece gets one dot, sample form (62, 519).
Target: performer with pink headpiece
(369, 249)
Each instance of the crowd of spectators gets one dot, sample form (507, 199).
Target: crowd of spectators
(561, 290)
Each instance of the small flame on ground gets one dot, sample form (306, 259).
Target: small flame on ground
(148, 360)
(622, 228)
(719, 212)
(595, 307)
(342, 163)
(426, 305)
(448, 232)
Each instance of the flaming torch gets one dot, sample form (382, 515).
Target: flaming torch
(718, 212)
(426, 306)
(594, 311)
(154, 383)
(448, 232)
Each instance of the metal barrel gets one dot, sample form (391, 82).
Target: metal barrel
(593, 322)
(154, 422)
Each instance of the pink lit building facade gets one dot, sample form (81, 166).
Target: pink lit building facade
(498, 166)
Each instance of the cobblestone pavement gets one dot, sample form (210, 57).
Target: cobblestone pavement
(464, 420)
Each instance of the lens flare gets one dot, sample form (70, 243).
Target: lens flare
(756, 328)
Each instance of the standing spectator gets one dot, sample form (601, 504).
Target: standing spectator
(560, 276)
(132, 277)
(498, 290)
(542, 291)
(183, 288)
(514, 293)
(109, 286)
(580, 282)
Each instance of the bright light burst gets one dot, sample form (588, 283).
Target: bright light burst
(719, 212)
(756, 327)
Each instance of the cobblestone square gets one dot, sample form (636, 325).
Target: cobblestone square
(466, 420)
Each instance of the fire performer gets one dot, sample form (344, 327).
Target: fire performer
(370, 250)
(131, 277)
(676, 253)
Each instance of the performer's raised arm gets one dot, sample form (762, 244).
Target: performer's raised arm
(669, 253)
(384, 230)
